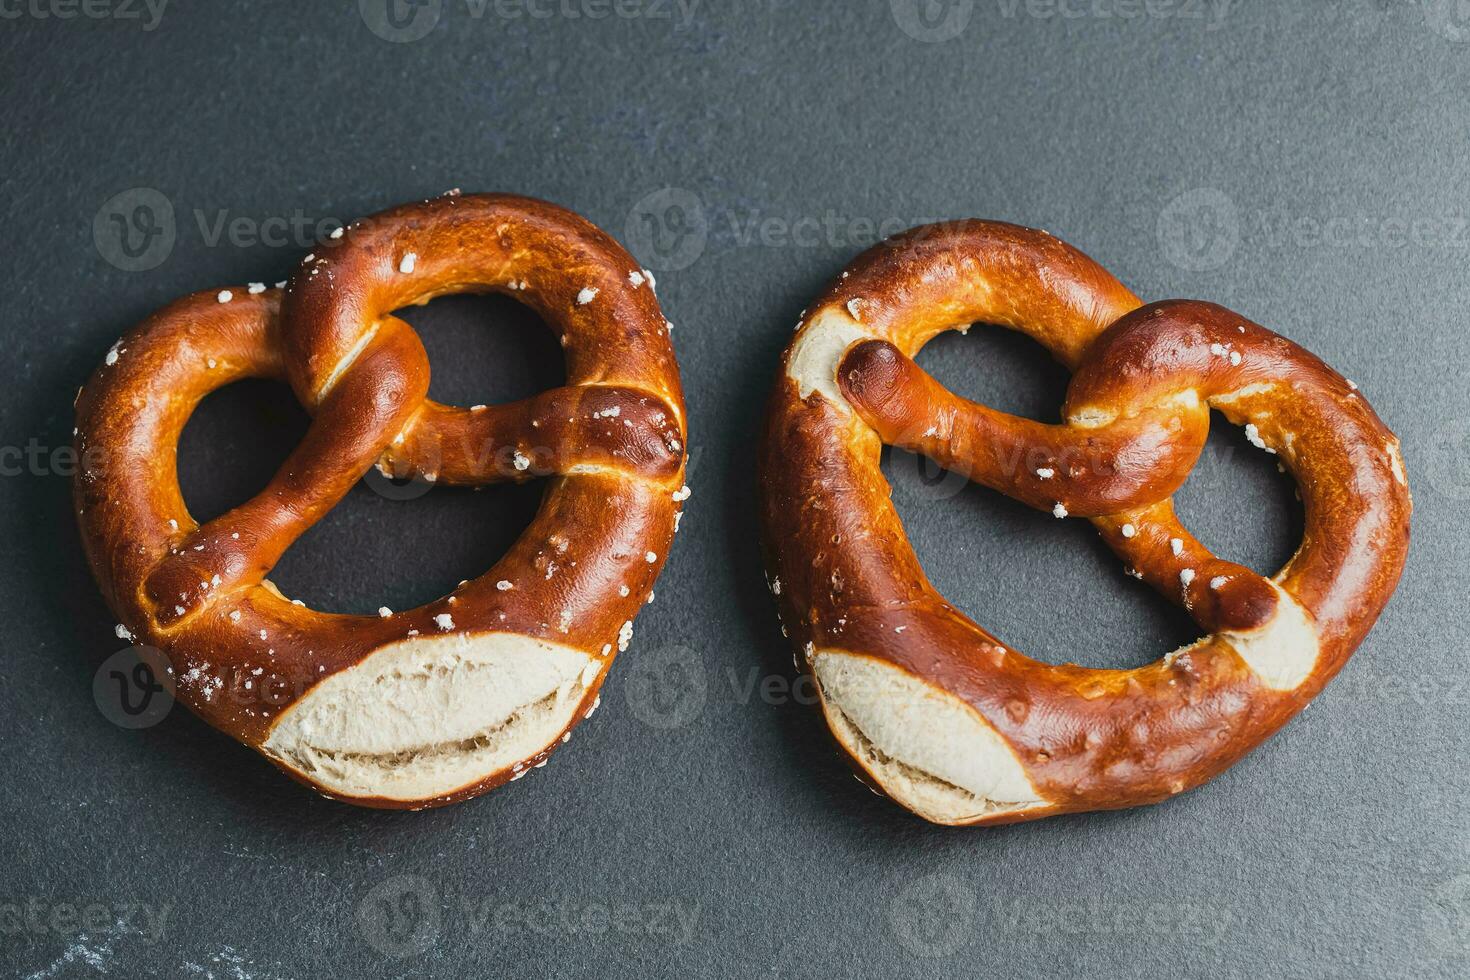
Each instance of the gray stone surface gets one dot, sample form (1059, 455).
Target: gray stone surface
(1303, 163)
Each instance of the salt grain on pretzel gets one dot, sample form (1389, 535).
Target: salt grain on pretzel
(928, 705)
(446, 701)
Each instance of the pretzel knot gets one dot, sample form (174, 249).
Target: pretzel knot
(938, 713)
(445, 701)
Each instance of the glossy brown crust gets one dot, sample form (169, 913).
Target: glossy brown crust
(612, 439)
(1087, 739)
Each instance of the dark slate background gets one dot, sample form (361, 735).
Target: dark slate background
(1303, 163)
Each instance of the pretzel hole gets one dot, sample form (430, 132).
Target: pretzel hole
(999, 367)
(402, 543)
(375, 549)
(1238, 504)
(1048, 588)
(486, 349)
(232, 445)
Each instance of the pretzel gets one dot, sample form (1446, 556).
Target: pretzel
(443, 702)
(938, 713)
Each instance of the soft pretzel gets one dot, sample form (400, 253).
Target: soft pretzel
(448, 700)
(944, 717)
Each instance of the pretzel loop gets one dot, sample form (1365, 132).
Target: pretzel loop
(448, 700)
(934, 710)
(483, 244)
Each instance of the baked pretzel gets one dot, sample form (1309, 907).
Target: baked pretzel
(944, 717)
(443, 702)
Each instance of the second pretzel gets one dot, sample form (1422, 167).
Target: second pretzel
(931, 708)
